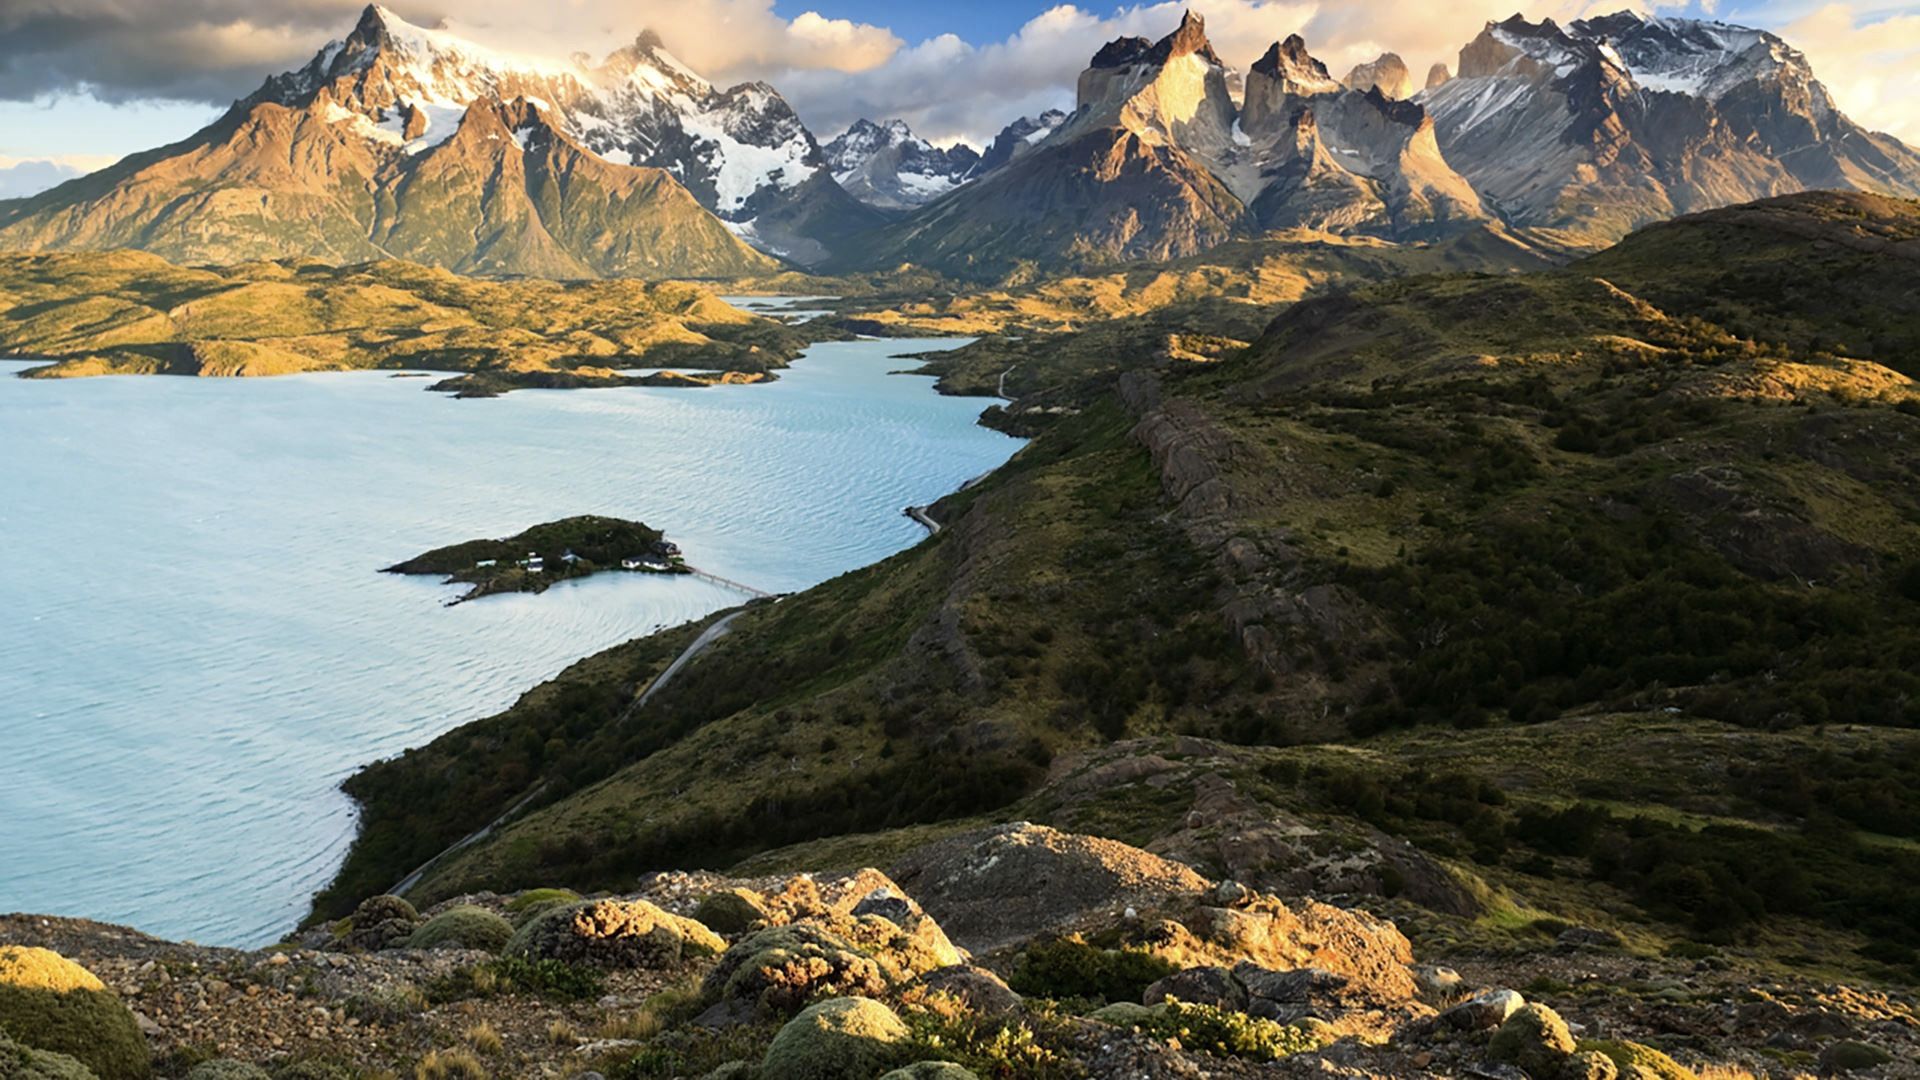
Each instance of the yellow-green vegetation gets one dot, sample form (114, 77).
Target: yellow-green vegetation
(1535, 1039)
(52, 1004)
(1227, 1032)
(129, 313)
(463, 927)
(613, 933)
(1636, 1059)
(450, 1064)
(574, 547)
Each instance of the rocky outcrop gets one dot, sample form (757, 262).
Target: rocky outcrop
(994, 888)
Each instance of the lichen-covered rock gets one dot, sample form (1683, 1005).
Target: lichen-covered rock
(381, 922)
(463, 927)
(1209, 985)
(778, 970)
(733, 911)
(228, 1069)
(1002, 886)
(25, 1063)
(849, 1038)
(932, 1070)
(1369, 952)
(614, 934)
(1126, 1013)
(50, 1003)
(1534, 1039)
(979, 991)
(1485, 1012)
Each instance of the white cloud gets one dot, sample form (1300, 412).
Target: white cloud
(1871, 64)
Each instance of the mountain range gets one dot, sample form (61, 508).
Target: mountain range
(398, 141)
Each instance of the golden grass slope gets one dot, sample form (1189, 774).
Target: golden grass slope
(133, 313)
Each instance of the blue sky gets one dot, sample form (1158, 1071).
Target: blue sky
(86, 81)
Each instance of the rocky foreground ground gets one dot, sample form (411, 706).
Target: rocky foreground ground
(1016, 951)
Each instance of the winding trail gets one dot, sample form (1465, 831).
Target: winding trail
(1002, 390)
(707, 637)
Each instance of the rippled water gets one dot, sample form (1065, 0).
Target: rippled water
(195, 645)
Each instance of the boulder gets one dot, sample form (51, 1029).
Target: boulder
(1485, 1012)
(1200, 986)
(464, 927)
(995, 888)
(381, 922)
(1534, 1039)
(1438, 983)
(849, 1038)
(534, 903)
(49, 1003)
(614, 934)
(733, 911)
(980, 991)
(1287, 996)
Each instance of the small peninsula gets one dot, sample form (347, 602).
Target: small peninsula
(535, 560)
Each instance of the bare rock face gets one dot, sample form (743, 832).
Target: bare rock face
(1387, 74)
(1437, 75)
(1002, 886)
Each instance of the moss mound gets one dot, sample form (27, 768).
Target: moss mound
(733, 911)
(463, 927)
(614, 934)
(25, 1063)
(533, 903)
(779, 969)
(48, 1002)
(1637, 1060)
(381, 922)
(932, 1070)
(1535, 1039)
(842, 1039)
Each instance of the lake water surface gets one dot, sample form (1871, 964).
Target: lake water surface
(196, 645)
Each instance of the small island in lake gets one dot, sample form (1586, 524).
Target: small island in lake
(545, 555)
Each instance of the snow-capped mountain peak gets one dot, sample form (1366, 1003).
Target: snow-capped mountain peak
(888, 166)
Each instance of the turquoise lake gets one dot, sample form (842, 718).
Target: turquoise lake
(196, 645)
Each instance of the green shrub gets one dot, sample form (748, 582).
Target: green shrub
(25, 1063)
(1069, 967)
(550, 978)
(732, 911)
(1032, 1046)
(1535, 1039)
(50, 1003)
(1227, 1033)
(463, 927)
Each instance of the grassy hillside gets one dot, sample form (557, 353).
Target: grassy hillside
(129, 313)
(1566, 593)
